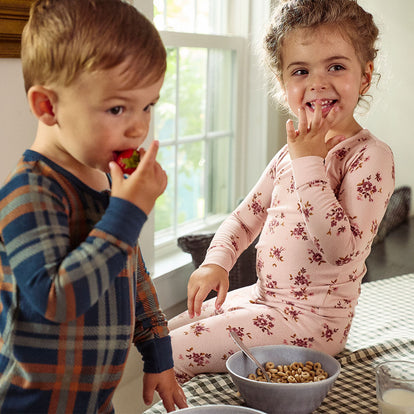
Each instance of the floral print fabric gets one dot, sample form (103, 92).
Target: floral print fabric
(317, 219)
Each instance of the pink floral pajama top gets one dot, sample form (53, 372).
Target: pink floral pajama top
(317, 218)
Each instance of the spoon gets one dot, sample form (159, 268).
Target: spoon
(247, 352)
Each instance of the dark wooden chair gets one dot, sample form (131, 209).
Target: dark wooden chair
(243, 272)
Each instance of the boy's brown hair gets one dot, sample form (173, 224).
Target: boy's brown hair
(64, 38)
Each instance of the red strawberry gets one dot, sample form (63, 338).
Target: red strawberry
(128, 160)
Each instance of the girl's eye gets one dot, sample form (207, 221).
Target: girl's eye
(335, 68)
(116, 110)
(300, 72)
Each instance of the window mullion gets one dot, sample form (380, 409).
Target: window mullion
(195, 3)
(176, 143)
(207, 142)
(165, 13)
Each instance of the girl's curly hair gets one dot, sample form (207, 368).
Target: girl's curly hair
(346, 15)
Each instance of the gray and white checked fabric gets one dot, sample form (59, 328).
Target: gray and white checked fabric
(383, 329)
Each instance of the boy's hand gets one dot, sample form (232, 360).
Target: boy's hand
(145, 184)
(310, 139)
(202, 281)
(167, 387)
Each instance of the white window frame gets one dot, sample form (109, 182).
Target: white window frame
(256, 135)
(237, 45)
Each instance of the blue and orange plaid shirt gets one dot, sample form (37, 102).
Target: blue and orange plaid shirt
(74, 293)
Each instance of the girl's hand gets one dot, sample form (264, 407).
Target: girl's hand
(145, 184)
(310, 140)
(202, 281)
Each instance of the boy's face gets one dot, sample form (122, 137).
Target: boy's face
(98, 115)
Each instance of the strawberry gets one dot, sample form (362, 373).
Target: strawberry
(128, 160)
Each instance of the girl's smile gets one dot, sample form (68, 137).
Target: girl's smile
(330, 76)
(325, 104)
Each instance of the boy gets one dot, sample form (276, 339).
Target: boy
(74, 290)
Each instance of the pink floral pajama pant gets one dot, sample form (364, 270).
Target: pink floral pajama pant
(202, 344)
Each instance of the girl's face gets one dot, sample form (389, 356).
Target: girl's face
(98, 115)
(321, 66)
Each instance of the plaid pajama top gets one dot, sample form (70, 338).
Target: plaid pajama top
(74, 293)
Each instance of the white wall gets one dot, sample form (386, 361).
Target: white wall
(17, 125)
(391, 112)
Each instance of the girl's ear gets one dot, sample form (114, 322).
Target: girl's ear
(366, 78)
(42, 101)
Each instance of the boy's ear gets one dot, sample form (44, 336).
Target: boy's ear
(42, 101)
(366, 78)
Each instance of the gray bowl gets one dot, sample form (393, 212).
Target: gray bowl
(218, 409)
(279, 398)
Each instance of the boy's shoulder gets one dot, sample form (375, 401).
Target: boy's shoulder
(37, 170)
(33, 176)
(36, 176)
(28, 165)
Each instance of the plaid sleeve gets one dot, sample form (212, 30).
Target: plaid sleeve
(62, 280)
(151, 330)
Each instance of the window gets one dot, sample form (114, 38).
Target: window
(193, 16)
(212, 124)
(195, 118)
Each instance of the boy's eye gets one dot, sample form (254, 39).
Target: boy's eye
(116, 110)
(148, 107)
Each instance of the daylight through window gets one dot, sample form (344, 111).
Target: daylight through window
(194, 119)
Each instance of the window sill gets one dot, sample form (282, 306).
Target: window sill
(170, 278)
(173, 267)
(171, 263)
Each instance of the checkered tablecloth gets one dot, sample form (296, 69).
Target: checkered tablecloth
(383, 329)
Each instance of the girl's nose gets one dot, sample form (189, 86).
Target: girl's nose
(317, 82)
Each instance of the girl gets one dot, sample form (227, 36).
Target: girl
(317, 205)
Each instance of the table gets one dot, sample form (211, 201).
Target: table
(383, 329)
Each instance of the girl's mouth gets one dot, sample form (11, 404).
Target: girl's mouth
(326, 105)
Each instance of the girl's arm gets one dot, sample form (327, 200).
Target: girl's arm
(233, 236)
(343, 221)
(243, 225)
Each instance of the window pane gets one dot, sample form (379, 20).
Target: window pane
(219, 176)
(190, 185)
(164, 207)
(177, 15)
(192, 91)
(211, 16)
(195, 16)
(165, 110)
(220, 95)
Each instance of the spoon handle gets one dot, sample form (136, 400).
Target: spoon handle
(247, 352)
